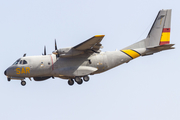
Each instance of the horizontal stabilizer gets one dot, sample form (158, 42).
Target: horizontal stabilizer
(153, 50)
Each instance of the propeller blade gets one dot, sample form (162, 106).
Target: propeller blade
(44, 50)
(55, 45)
(56, 50)
(24, 55)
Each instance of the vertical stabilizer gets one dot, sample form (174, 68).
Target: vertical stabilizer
(160, 31)
(158, 38)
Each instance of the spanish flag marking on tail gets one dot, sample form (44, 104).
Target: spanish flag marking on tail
(131, 53)
(165, 37)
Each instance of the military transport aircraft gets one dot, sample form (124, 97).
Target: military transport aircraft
(78, 62)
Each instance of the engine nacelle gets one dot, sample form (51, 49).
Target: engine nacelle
(40, 78)
(67, 52)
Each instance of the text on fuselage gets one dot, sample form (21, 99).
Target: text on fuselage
(22, 70)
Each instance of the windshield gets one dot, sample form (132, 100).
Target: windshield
(15, 63)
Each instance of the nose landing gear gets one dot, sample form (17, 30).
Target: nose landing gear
(23, 83)
(9, 79)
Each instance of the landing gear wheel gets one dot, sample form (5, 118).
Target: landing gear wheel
(86, 78)
(71, 82)
(78, 80)
(23, 83)
(9, 79)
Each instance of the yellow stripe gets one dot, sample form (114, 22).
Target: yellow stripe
(99, 35)
(131, 53)
(165, 37)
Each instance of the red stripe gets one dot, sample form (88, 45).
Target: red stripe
(165, 42)
(52, 63)
(166, 29)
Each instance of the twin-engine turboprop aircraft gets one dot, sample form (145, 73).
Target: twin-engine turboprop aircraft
(86, 59)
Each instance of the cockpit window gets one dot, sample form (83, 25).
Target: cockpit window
(16, 62)
(21, 62)
(24, 62)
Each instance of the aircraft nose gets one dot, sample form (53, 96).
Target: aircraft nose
(5, 72)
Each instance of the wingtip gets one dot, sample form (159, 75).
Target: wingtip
(99, 35)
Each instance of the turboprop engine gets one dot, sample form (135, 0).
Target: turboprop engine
(67, 52)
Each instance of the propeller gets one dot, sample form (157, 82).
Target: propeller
(44, 50)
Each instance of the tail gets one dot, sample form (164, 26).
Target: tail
(158, 38)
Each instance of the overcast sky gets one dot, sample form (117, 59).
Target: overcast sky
(147, 88)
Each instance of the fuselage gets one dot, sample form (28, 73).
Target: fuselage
(50, 65)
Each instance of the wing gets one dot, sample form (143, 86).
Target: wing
(91, 44)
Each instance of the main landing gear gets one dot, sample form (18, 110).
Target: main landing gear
(86, 78)
(78, 80)
(71, 82)
(23, 83)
